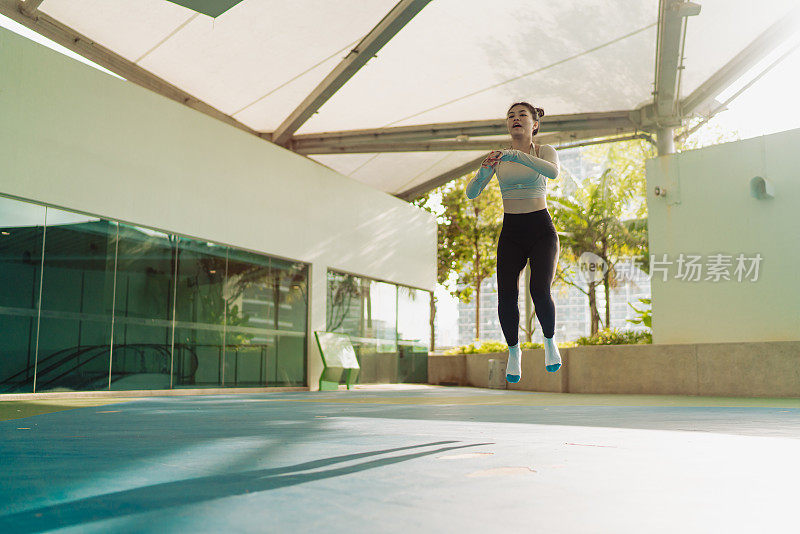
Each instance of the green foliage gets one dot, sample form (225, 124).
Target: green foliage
(498, 346)
(467, 234)
(616, 337)
(624, 161)
(695, 133)
(590, 221)
(645, 315)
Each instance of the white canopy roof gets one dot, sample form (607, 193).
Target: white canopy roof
(454, 61)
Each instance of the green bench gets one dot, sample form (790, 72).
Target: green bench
(339, 359)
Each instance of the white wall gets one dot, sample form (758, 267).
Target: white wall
(709, 210)
(74, 137)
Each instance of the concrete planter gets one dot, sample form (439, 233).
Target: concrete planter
(761, 369)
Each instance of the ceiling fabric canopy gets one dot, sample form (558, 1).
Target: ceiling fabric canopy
(447, 61)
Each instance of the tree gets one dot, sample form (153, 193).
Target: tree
(468, 231)
(590, 222)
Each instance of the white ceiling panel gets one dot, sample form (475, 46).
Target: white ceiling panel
(129, 29)
(395, 172)
(258, 46)
(237, 59)
(452, 54)
(268, 109)
(345, 164)
(722, 30)
(457, 60)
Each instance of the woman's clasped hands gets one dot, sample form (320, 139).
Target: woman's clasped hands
(493, 158)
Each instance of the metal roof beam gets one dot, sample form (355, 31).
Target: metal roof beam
(82, 45)
(669, 54)
(757, 50)
(419, 190)
(453, 145)
(620, 120)
(387, 28)
(29, 6)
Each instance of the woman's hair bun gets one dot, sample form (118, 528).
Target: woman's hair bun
(540, 112)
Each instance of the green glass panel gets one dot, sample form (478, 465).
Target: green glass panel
(200, 309)
(199, 357)
(344, 302)
(77, 296)
(414, 334)
(378, 351)
(250, 314)
(290, 365)
(289, 283)
(21, 233)
(142, 356)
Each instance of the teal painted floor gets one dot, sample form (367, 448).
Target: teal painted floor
(405, 459)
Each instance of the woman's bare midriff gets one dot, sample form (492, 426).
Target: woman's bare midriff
(523, 205)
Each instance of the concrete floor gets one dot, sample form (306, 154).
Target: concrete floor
(405, 459)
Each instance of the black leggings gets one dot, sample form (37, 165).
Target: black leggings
(526, 236)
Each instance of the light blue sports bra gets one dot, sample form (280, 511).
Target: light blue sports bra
(521, 175)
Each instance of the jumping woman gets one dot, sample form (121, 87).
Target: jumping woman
(528, 232)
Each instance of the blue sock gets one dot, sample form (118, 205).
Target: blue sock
(514, 368)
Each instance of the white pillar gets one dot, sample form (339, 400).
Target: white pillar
(317, 321)
(665, 141)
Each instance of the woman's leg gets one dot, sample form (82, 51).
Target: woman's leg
(544, 258)
(511, 259)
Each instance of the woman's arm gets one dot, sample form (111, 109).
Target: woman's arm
(483, 175)
(547, 165)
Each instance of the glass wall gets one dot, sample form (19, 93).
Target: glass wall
(388, 324)
(251, 353)
(21, 234)
(77, 302)
(200, 310)
(142, 348)
(124, 307)
(413, 333)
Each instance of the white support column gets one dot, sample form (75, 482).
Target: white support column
(317, 309)
(665, 141)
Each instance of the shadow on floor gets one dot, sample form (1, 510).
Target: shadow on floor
(196, 490)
